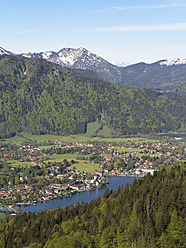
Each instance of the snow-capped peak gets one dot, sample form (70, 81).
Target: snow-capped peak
(47, 55)
(70, 57)
(170, 62)
(3, 51)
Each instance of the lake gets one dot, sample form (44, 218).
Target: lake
(85, 196)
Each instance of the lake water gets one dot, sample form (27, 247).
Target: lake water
(85, 196)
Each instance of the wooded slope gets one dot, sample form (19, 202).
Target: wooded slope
(40, 97)
(148, 213)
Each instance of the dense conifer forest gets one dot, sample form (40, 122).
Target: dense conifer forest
(39, 97)
(148, 213)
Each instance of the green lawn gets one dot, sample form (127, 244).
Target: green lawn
(82, 165)
(85, 166)
(91, 128)
(106, 132)
(131, 150)
(47, 147)
(61, 157)
(67, 156)
(76, 138)
(14, 140)
(42, 138)
(20, 164)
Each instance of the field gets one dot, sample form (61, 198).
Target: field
(74, 138)
(21, 164)
(44, 138)
(61, 157)
(105, 132)
(131, 150)
(91, 128)
(14, 140)
(85, 166)
(81, 165)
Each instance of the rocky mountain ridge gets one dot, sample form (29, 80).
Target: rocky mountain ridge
(167, 75)
(70, 57)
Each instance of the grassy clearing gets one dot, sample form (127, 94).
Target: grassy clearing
(91, 128)
(77, 138)
(131, 150)
(42, 138)
(61, 157)
(85, 166)
(106, 132)
(81, 165)
(124, 139)
(47, 147)
(14, 140)
(21, 164)
(145, 140)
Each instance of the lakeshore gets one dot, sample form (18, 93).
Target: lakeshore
(52, 177)
(85, 196)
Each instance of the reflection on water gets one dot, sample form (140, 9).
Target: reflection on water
(85, 196)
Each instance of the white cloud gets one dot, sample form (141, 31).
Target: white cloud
(118, 8)
(160, 6)
(30, 31)
(143, 28)
(140, 7)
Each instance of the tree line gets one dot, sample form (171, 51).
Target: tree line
(148, 213)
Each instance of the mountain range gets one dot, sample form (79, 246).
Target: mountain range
(164, 75)
(41, 97)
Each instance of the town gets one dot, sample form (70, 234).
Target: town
(28, 175)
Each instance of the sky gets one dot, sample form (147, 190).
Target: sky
(124, 31)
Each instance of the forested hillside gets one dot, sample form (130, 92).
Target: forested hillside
(148, 213)
(155, 76)
(40, 97)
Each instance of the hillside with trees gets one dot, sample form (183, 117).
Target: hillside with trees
(148, 213)
(164, 76)
(39, 97)
(155, 76)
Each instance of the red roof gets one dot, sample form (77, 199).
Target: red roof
(4, 193)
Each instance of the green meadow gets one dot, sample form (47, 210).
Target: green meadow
(91, 128)
(17, 163)
(131, 150)
(81, 165)
(85, 166)
(105, 133)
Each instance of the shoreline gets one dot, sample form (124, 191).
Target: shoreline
(10, 207)
(19, 204)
